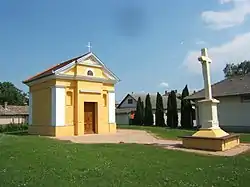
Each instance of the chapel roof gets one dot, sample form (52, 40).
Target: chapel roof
(51, 70)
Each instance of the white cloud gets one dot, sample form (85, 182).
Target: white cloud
(235, 51)
(164, 84)
(200, 42)
(227, 18)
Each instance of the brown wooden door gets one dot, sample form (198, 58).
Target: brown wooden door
(89, 118)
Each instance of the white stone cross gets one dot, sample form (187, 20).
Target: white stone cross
(205, 61)
(89, 46)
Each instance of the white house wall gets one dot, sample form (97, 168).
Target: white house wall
(233, 114)
(122, 119)
(125, 103)
(13, 120)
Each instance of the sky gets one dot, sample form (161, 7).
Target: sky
(151, 45)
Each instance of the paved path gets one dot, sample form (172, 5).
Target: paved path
(142, 137)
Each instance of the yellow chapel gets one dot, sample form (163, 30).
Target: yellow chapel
(73, 98)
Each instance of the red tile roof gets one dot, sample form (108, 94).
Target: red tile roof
(52, 69)
(13, 110)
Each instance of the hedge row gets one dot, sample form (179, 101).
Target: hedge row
(13, 127)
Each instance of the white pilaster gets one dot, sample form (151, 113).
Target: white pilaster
(111, 107)
(30, 108)
(58, 106)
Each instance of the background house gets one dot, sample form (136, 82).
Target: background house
(234, 107)
(129, 103)
(10, 114)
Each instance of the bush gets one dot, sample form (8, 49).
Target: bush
(13, 127)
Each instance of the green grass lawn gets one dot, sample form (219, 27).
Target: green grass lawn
(33, 161)
(167, 133)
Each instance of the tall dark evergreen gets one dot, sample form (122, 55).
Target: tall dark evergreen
(159, 113)
(148, 114)
(142, 111)
(138, 120)
(186, 110)
(172, 113)
(169, 112)
(174, 109)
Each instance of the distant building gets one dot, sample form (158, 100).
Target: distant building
(10, 114)
(233, 109)
(128, 105)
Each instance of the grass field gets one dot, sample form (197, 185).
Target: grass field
(37, 161)
(167, 133)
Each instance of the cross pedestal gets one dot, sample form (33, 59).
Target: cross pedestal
(210, 136)
(208, 116)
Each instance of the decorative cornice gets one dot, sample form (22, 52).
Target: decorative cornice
(50, 77)
(58, 86)
(86, 78)
(90, 91)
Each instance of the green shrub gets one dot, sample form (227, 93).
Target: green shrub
(13, 127)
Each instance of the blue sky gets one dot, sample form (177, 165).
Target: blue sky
(150, 45)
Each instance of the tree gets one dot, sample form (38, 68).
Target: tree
(232, 69)
(148, 114)
(159, 113)
(169, 111)
(12, 95)
(142, 111)
(138, 120)
(172, 113)
(174, 109)
(186, 110)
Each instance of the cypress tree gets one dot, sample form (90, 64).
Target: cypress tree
(148, 114)
(138, 113)
(186, 110)
(174, 110)
(142, 112)
(169, 112)
(159, 114)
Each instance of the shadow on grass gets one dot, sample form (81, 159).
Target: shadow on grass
(18, 133)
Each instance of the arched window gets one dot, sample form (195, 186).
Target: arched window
(90, 73)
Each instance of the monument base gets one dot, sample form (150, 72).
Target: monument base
(211, 139)
(212, 133)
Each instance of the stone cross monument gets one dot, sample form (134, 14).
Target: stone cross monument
(205, 62)
(210, 136)
(208, 107)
